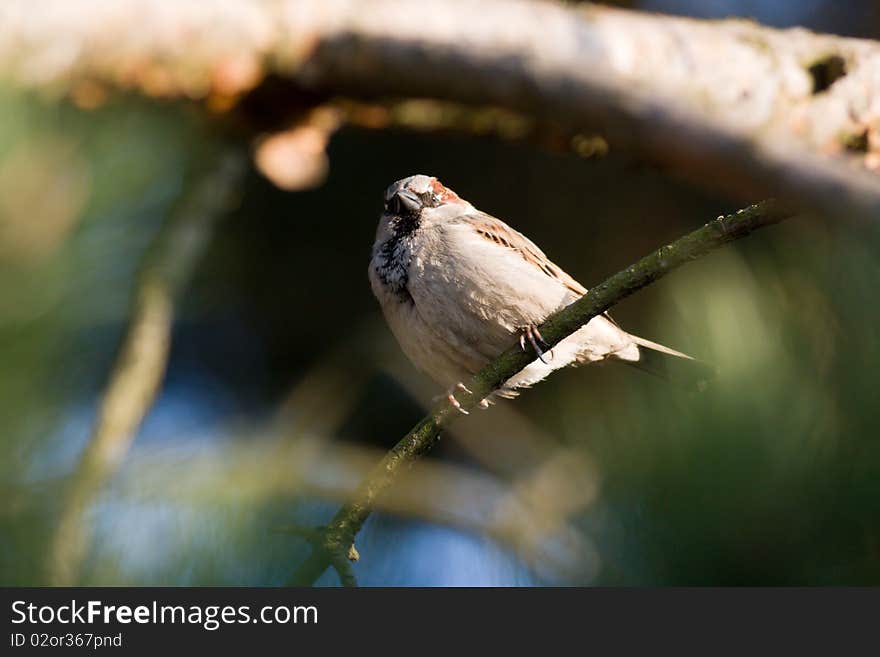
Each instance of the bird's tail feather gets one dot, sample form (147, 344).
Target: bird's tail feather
(671, 365)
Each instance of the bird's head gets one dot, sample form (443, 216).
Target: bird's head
(409, 199)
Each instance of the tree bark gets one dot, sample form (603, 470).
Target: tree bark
(731, 104)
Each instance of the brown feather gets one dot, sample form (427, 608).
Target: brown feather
(500, 233)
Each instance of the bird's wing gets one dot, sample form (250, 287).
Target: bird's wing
(495, 230)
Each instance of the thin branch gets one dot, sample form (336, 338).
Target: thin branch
(729, 103)
(338, 537)
(141, 362)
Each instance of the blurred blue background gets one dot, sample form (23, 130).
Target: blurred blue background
(284, 386)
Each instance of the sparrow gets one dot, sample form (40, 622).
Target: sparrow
(458, 287)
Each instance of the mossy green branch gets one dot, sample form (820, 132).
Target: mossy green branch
(334, 545)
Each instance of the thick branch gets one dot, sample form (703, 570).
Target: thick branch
(338, 537)
(729, 103)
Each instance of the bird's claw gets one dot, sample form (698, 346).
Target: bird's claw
(453, 401)
(540, 337)
(534, 336)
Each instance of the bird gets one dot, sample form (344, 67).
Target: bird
(458, 287)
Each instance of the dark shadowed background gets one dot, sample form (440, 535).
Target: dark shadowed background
(284, 385)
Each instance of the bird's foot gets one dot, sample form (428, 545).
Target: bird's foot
(450, 396)
(533, 335)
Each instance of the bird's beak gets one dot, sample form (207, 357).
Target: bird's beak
(409, 200)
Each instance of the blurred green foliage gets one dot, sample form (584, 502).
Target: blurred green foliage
(772, 476)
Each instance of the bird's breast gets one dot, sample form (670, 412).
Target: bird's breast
(391, 265)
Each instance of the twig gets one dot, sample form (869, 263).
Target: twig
(140, 364)
(338, 537)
